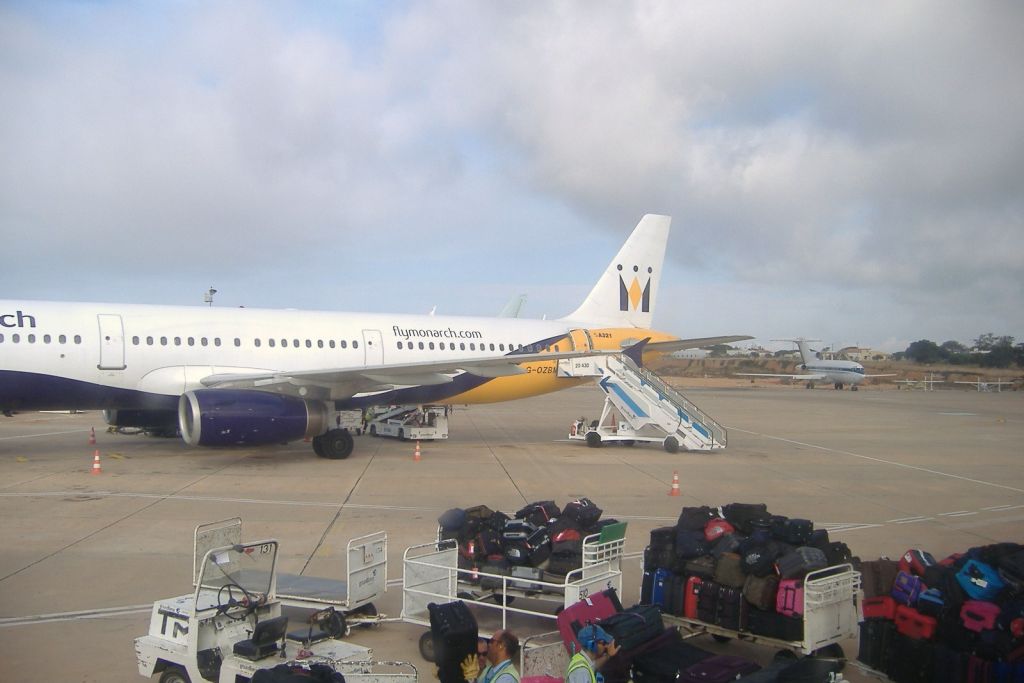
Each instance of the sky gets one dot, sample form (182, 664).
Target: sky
(850, 172)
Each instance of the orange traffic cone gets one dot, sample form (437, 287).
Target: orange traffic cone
(674, 491)
(96, 469)
(416, 453)
(92, 436)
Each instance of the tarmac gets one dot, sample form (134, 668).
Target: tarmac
(87, 554)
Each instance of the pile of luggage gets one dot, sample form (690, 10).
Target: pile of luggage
(540, 539)
(956, 619)
(738, 567)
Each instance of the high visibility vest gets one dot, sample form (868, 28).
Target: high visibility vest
(506, 668)
(581, 661)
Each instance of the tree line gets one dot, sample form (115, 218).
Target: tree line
(988, 350)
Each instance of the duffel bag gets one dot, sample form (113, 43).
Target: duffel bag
(800, 562)
(634, 626)
(980, 581)
(761, 591)
(583, 511)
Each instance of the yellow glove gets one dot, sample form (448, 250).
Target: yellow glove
(470, 668)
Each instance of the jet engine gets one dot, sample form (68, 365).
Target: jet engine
(223, 417)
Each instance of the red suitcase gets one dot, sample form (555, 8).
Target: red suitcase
(589, 610)
(915, 561)
(881, 607)
(913, 624)
(692, 591)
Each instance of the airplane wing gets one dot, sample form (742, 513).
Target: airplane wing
(891, 374)
(697, 343)
(338, 383)
(810, 376)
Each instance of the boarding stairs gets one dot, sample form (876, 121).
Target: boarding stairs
(640, 406)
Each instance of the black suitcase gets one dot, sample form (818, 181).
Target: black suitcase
(774, 625)
(793, 531)
(539, 513)
(691, 544)
(634, 626)
(731, 609)
(741, 515)
(663, 537)
(677, 595)
(797, 564)
(564, 562)
(707, 601)
(583, 511)
(662, 659)
(912, 662)
(454, 632)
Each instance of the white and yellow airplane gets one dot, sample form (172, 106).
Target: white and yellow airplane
(244, 376)
(838, 372)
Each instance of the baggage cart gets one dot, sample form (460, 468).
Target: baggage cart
(431, 573)
(832, 609)
(365, 574)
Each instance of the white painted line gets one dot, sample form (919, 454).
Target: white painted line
(72, 616)
(914, 521)
(965, 513)
(903, 519)
(35, 436)
(997, 507)
(879, 460)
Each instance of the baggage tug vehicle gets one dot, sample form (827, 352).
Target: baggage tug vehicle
(231, 626)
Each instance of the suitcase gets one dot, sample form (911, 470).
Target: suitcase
(452, 520)
(729, 571)
(818, 539)
(906, 588)
(947, 664)
(775, 625)
(539, 513)
(454, 632)
(718, 669)
(913, 624)
(662, 659)
(740, 515)
(978, 616)
(800, 562)
(980, 581)
(677, 596)
(703, 567)
(634, 626)
(930, 603)
(876, 643)
(647, 586)
(691, 593)
(589, 610)
(663, 537)
(793, 531)
(881, 607)
(731, 609)
(730, 543)
(716, 528)
(707, 601)
(691, 544)
(662, 585)
(583, 511)
(912, 662)
(877, 577)
(694, 518)
(518, 530)
(531, 573)
(790, 599)
(916, 561)
(562, 563)
(496, 569)
(517, 553)
(761, 592)
(758, 561)
(836, 552)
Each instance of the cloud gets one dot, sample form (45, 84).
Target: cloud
(868, 150)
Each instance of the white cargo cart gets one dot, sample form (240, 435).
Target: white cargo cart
(365, 574)
(832, 608)
(231, 626)
(431, 574)
(411, 423)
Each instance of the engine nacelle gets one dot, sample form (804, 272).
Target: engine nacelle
(216, 417)
(156, 421)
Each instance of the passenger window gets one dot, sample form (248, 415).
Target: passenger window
(216, 341)
(149, 341)
(31, 339)
(472, 346)
(1, 339)
(355, 344)
(163, 341)
(331, 343)
(203, 341)
(492, 347)
(15, 338)
(284, 343)
(271, 342)
(135, 341)
(191, 341)
(462, 346)
(46, 339)
(256, 343)
(431, 346)
(501, 347)
(344, 344)
(78, 339)
(399, 346)
(177, 341)
(62, 339)
(320, 343)
(309, 344)
(295, 343)
(421, 346)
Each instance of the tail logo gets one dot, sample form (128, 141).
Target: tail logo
(633, 297)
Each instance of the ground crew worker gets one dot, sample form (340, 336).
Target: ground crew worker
(598, 648)
(502, 647)
(498, 652)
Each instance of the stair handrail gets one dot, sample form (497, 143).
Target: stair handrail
(719, 433)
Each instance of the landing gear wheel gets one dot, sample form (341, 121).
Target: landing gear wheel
(720, 639)
(593, 439)
(671, 444)
(427, 647)
(174, 674)
(337, 444)
(318, 446)
(853, 387)
(503, 599)
(787, 655)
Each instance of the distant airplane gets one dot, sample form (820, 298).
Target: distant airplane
(923, 384)
(244, 376)
(996, 386)
(838, 372)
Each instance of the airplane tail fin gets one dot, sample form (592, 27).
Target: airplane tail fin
(626, 292)
(807, 354)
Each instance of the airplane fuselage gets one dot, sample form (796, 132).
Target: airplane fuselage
(90, 356)
(837, 371)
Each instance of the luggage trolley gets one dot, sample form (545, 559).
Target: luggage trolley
(832, 608)
(431, 573)
(365, 577)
